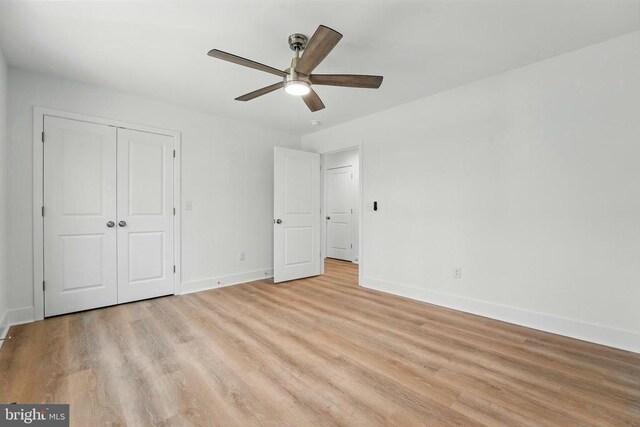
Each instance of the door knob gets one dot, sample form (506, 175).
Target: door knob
(278, 221)
(122, 223)
(110, 224)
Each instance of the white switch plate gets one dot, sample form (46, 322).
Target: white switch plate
(187, 205)
(457, 272)
(243, 256)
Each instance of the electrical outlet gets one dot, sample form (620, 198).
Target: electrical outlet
(243, 256)
(457, 272)
(187, 205)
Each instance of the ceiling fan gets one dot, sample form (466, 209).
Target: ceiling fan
(297, 79)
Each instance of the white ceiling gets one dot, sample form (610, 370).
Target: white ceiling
(158, 49)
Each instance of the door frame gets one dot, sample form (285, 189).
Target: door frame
(39, 114)
(323, 204)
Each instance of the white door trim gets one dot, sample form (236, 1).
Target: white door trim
(38, 181)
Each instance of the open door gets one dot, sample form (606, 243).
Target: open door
(296, 213)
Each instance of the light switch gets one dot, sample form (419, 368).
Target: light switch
(187, 205)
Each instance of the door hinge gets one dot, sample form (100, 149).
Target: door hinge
(42, 136)
(174, 154)
(174, 211)
(43, 211)
(351, 210)
(43, 286)
(174, 269)
(352, 246)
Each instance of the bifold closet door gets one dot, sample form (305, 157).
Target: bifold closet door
(80, 269)
(145, 215)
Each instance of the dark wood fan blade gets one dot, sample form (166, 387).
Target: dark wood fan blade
(346, 80)
(225, 56)
(313, 101)
(256, 93)
(319, 46)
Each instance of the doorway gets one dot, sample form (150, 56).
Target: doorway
(341, 201)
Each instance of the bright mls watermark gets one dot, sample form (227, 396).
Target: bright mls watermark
(34, 415)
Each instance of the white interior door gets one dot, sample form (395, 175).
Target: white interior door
(79, 216)
(145, 215)
(296, 209)
(339, 218)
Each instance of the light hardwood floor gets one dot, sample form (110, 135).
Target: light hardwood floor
(319, 351)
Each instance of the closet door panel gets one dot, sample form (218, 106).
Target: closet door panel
(145, 215)
(80, 269)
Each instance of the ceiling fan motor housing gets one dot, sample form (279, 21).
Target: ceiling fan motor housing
(297, 42)
(293, 75)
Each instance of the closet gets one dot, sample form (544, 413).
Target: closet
(108, 211)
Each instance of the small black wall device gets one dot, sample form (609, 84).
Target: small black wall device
(375, 206)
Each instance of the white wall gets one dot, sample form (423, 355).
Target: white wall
(4, 292)
(227, 173)
(528, 180)
(342, 158)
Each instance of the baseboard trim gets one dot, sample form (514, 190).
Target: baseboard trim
(19, 316)
(222, 281)
(4, 326)
(618, 338)
(14, 317)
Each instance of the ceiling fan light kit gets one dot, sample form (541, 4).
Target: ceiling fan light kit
(297, 79)
(297, 87)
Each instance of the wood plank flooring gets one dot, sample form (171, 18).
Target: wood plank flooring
(319, 351)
